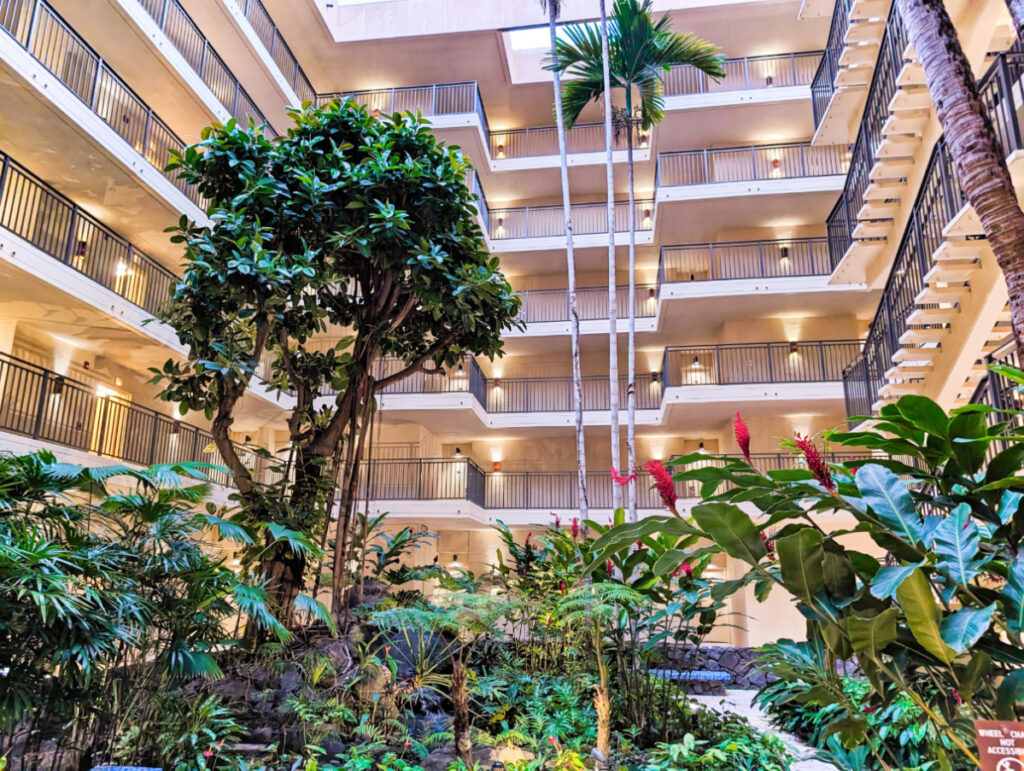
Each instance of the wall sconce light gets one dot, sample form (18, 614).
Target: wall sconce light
(651, 293)
(175, 427)
(647, 214)
(784, 252)
(496, 466)
(458, 452)
(81, 249)
(501, 221)
(693, 277)
(655, 376)
(459, 370)
(769, 81)
(776, 163)
(497, 382)
(85, 365)
(58, 386)
(501, 151)
(700, 447)
(247, 439)
(794, 347)
(643, 140)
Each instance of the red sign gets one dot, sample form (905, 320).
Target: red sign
(1000, 745)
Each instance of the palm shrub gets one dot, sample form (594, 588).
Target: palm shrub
(942, 500)
(109, 594)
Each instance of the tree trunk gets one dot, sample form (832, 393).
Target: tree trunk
(979, 159)
(574, 314)
(613, 330)
(631, 340)
(460, 713)
(603, 707)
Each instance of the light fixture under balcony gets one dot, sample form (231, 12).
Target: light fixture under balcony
(459, 371)
(647, 214)
(794, 347)
(458, 452)
(784, 253)
(501, 151)
(496, 466)
(700, 447)
(655, 376)
(651, 293)
(696, 363)
(769, 81)
(776, 164)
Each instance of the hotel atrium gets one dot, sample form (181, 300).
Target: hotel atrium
(804, 250)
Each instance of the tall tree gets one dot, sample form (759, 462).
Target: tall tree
(349, 222)
(980, 161)
(613, 282)
(1016, 8)
(553, 7)
(640, 51)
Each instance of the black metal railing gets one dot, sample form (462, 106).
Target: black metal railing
(587, 219)
(192, 44)
(739, 363)
(843, 219)
(555, 394)
(823, 84)
(753, 162)
(996, 390)
(263, 25)
(50, 407)
(541, 305)
(778, 258)
(744, 73)
(37, 27)
(35, 212)
(940, 198)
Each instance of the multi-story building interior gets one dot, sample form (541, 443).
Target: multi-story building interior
(804, 252)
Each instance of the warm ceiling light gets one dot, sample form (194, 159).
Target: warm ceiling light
(769, 81)
(459, 370)
(794, 347)
(784, 251)
(776, 163)
(501, 151)
(458, 452)
(496, 466)
(647, 214)
(651, 293)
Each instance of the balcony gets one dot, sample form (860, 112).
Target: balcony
(47, 51)
(43, 406)
(171, 19)
(696, 384)
(745, 73)
(532, 228)
(942, 267)
(47, 223)
(732, 260)
(753, 170)
(440, 487)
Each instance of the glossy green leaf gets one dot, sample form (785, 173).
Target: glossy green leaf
(888, 579)
(801, 557)
(957, 543)
(889, 499)
(923, 614)
(731, 529)
(870, 635)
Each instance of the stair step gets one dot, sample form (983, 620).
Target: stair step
(891, 167)
(916, 354)
(869, 9)
(859, 55)
(922, 335)
(909, 122)
(959, 250)
(878, 208)
(908, 370)
(911, 76)
(952, 293)
(952, 272)
(896, 390)
(853, 77)
(942, 315)
(872, 229)
(865, 32)
(910, 99)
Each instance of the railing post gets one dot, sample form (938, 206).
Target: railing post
(41, 406)
(72, 227)
(4, 167)
(821, 352)
(163, 14)
(771, 367)
(202, 63)
(760, 257)
(32, 24)
(152, 439)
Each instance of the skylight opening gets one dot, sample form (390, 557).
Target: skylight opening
(533, 38)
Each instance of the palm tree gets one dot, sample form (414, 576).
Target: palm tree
(640, 50)
(553, 7)
(613, 315)
(971, 139)
(1017, 13)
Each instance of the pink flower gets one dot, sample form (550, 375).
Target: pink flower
(769, 547)
(408, 744)
(684, 568)
(609, 566)
(207, 753)
(558, 522)
(956, 697)
(739, 427)
(663, 482)
(575, 527)
(561, 587)
(815, 462)
(621, 480)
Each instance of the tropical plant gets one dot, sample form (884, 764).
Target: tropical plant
(640, 50)
(346, 206)
(110, 595)
(971, 139)
(940, 622)
(553, 8)
(733, 743)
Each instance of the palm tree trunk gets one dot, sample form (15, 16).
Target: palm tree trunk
(574, 314)
(613, 331)
(631, 340)
(979, 159)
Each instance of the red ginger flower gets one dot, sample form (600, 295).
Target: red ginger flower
(769, 547)
(815, 462)
(663, 482)
(621, 480)
(684, 568)
(609, 566)
(558, 522)
(739, 427)
(575, 527)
